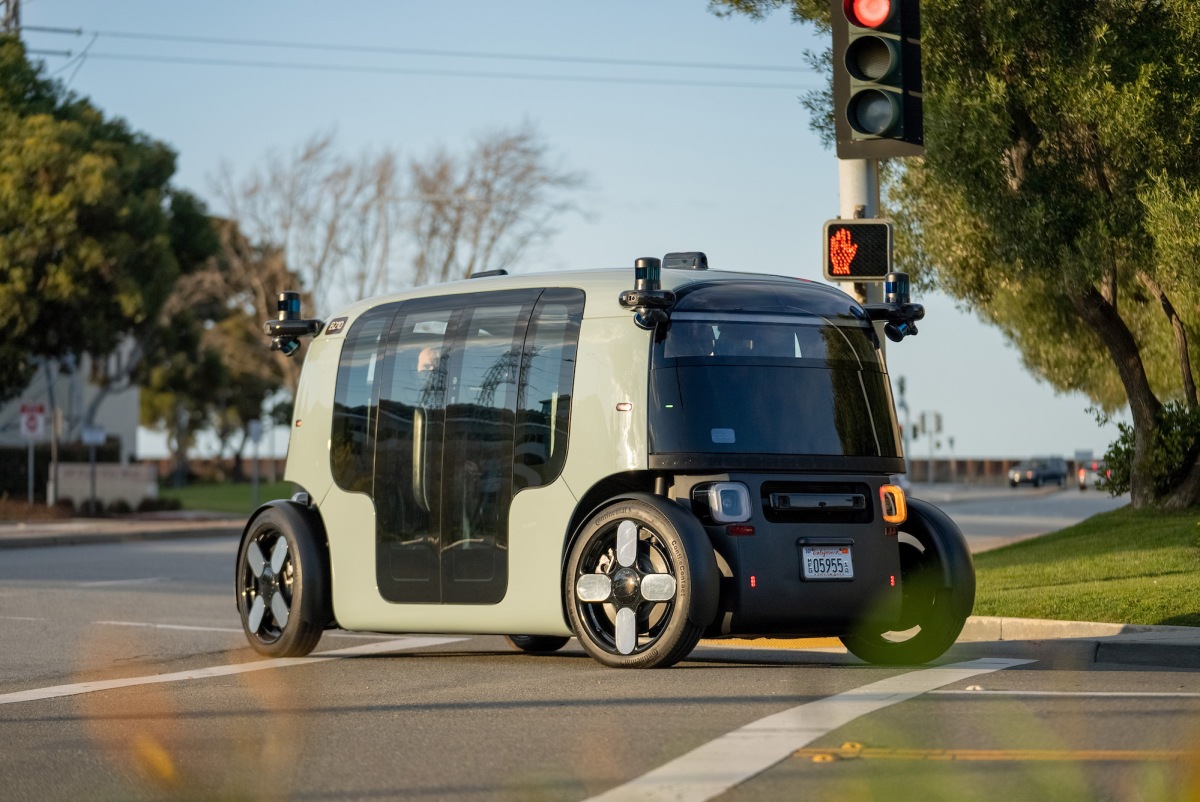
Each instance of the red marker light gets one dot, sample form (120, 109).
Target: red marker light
(739, 529)
(753, 582)
(868, 13)
(893, 580)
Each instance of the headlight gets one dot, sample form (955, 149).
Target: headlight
(729, 502)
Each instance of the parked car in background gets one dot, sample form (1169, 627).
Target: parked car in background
(1092, 473)
(1039, 471)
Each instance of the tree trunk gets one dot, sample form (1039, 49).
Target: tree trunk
(1103, 318)
(1186, 493)
(1181, 342)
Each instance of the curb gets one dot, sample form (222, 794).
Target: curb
(66, 539)
(81, 532)
(1085, 643)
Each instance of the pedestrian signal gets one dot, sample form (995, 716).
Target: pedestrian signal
(858, 250)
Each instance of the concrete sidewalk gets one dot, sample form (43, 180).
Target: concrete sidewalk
(1061, 643)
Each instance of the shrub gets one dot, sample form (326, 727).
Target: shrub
(1173, 446)
(119, 507)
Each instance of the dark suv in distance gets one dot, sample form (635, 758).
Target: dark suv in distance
(1039, 471)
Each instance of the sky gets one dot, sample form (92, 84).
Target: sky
(688, 127)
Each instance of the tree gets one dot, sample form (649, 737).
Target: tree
(86, 213)
(333, 219)
(483, 211)
(1056, 197)
(343, 223)
(210, 368)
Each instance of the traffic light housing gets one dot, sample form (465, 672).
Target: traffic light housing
(877, 78)
(858, 250)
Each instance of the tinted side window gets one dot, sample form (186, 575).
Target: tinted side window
(444, 462)
(478, 457)
(355, 401)
(408, 463)
(544, 397)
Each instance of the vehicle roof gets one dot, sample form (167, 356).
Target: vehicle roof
(611, 281)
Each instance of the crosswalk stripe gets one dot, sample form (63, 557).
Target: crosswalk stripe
(56, 691)
(713, 768)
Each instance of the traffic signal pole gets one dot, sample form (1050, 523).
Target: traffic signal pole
(858, 196)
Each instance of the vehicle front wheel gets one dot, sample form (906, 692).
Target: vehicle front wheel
(629, 587)
(938, 586)
(282, 582)
(538, 644)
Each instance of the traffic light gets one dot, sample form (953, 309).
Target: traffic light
(877, 78)
(858, 250)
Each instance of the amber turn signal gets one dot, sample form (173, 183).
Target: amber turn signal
(895, 509)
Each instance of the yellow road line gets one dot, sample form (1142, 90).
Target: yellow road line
(853, 751)
(776, 643)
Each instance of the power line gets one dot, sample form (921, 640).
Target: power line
(350, 68)
(407, 51)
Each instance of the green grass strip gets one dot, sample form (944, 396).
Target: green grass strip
(1126, 566)
(227, 496)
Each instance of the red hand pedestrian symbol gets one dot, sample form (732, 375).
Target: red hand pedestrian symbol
(841, 252)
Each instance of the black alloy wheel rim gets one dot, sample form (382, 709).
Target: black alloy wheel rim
(626, 600)
(268, 577)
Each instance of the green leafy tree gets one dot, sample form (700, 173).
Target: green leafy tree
(1058, 197)
(86, 252)
(210, 367)
(182, 382)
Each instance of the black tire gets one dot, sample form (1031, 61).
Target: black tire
(937, 597)
(662, 631)
(538, 644)
(300, 583)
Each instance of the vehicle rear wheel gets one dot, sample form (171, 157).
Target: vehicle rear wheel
(537, 644)
(932, 612)
(629, 588)
(282, 583)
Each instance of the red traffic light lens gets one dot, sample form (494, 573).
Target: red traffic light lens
(868, 13)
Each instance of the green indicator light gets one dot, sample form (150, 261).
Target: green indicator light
(669, 406)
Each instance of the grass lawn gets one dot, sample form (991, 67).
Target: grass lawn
(226, 496)
(1124, 566)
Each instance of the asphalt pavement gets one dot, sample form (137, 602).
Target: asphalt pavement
(1063, 642)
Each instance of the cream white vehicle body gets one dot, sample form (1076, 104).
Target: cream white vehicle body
(515, 454)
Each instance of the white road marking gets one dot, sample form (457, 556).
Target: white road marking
(149, 580)
(19, 618)
(1115, 694)
(185, 627)
(56, 691)
(233, 630)
(713, 768)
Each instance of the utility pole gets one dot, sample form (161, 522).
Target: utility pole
(11, 19)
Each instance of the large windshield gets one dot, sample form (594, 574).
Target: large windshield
(796, 379)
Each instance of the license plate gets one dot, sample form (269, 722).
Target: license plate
(826, 562)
